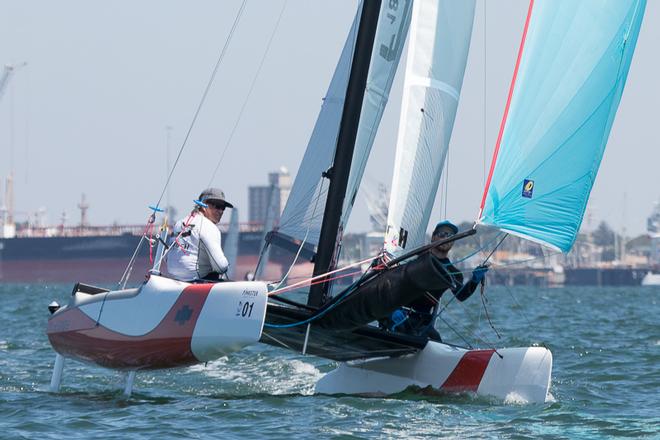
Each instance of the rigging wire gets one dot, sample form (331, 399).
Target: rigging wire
(319, 277)
(204, 95)
(338, 298)
(247, 97)
(479, 248)
(460, 335)
(508, 290)
(495, 248)
(483, 302)
(477, 332)
(124, 279)
(310, 192)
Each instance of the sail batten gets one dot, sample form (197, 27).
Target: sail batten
(571, 76)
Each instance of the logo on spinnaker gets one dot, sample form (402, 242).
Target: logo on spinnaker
(528, 188)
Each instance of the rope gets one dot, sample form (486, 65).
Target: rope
(336, 301)
(338, 277)
(478, 336)
(483, 301)
(457, 333)
(525, 261)
(247, 97)
(204, 95)
(129, 268)
(495, 248)
(479, 249)
(124, 278)
(529, 323)
(175, 241)
(321, 276)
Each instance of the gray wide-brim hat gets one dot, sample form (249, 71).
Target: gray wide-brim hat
(214, 195)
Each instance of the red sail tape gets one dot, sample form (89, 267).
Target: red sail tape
(506, 109)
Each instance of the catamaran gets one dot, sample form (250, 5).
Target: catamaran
(568, 80)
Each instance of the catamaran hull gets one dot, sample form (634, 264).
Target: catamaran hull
(520, 374)
(163, 324)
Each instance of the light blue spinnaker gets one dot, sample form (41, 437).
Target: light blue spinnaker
(571, 76)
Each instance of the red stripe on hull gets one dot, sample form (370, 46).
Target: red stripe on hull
(469, 371)
(74, 334)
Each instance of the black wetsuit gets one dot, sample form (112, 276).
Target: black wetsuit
(420, 317)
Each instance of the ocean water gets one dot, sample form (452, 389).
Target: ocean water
(605, 384)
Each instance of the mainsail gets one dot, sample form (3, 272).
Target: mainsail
(302, 216)
(437, 54)
(393, 25)
(569, 77)
(303, 213)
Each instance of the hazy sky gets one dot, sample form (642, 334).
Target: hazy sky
(104, 79)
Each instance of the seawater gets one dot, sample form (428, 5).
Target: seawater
(605, 384)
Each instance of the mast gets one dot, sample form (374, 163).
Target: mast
(339, 172)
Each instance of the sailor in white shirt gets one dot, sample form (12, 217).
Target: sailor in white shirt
(196, 251)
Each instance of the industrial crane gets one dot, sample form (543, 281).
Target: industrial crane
(6, 76)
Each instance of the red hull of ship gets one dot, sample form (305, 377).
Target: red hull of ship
(104, 271)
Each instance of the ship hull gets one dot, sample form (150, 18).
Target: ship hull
(100, 259)
(95, 270)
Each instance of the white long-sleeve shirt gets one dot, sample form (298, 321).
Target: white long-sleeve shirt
(198, 251)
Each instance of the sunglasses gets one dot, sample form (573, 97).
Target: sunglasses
(218, 206)
(444, 234)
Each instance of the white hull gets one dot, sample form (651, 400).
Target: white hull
(651, 279)
(521, 374)
(163, 324)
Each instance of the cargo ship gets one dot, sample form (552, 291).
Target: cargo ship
(96, 254)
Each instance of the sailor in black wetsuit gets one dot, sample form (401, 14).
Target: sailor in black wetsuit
(418, 317)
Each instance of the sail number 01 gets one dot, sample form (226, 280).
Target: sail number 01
(244, 309)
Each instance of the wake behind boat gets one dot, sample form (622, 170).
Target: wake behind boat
(537, 188)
